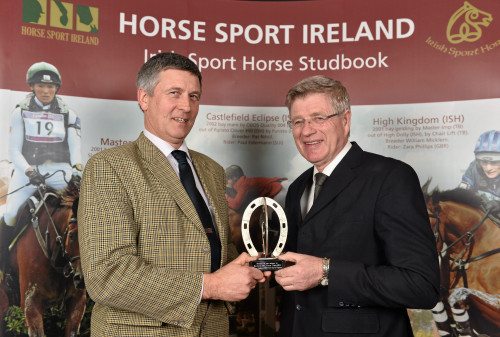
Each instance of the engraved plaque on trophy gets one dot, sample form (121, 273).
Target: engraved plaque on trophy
(267, 261)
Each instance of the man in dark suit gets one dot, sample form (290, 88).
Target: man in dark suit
(362, 249)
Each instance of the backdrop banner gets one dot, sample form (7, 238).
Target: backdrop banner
(423, 79)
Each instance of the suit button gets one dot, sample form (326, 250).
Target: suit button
(298, 307)
(341, 304)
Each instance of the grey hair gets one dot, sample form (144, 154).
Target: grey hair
(324, 85)
(148, 75)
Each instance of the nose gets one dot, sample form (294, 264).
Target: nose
(184, 103)
(308, 129)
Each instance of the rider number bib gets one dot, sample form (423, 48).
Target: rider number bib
(44, 127)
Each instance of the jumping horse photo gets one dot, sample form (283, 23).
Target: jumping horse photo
(45, 264)
(468, 241)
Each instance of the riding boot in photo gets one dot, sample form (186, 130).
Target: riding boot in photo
(6, 235)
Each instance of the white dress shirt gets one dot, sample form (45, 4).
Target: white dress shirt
(308, 197)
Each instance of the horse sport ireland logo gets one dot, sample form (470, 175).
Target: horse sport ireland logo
(60, 20)
(61, 15)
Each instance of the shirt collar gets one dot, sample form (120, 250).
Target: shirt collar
(164, 146)
(41, 105)
(333, 164)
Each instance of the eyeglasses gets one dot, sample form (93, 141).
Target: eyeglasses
(319, 120)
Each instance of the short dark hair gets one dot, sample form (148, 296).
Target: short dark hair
(323, 85)
(148, 75)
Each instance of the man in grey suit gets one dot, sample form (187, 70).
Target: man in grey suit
(359, 232)
(154, 232)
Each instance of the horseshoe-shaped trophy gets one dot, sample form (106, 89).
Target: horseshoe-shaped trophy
(266, 261)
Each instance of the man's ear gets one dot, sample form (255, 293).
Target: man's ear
(346, 118)
(143, 99)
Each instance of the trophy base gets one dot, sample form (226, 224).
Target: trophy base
(268, 264)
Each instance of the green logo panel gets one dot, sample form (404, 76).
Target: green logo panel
(61, 14)
(87, 19)
(35, 11)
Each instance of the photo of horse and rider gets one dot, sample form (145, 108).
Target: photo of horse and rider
(466, 225)
(40, 273)
(39, 252)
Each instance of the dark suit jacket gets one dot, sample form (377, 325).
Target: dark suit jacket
(370, 219)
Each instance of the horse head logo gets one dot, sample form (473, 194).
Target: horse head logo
(465, 24)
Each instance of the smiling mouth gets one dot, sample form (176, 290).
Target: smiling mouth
(181, 120)
(312, 142)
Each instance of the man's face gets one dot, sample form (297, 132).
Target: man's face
(171, 111)
(45, 92)
(490, 168)
(319, 144)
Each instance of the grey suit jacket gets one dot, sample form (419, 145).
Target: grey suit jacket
(143, 247)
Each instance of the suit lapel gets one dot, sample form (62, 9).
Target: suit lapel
(340, 178)
(159, 167)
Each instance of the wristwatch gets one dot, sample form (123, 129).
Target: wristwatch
(326, 269)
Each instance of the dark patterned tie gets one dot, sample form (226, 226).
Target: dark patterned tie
(187, 180)
(320, 179)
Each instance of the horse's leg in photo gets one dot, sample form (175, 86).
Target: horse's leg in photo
(442, 320)
(75, 308)
(33, 310)
(462, 319)
(4, 306)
